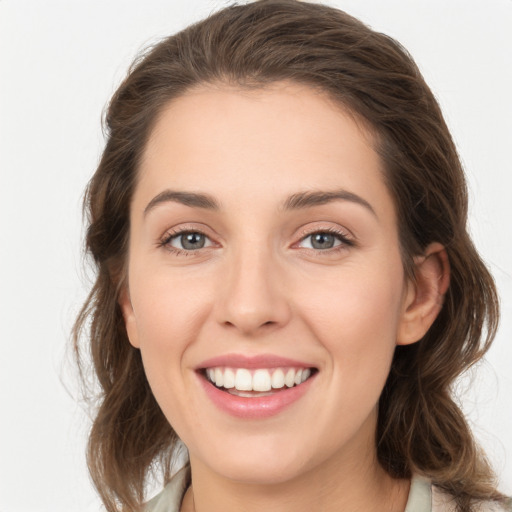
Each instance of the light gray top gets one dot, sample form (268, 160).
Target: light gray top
(423, 497)
(169, 500)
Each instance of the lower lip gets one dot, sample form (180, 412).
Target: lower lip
(257, 407)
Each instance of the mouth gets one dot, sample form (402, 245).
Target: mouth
(255, 387)
(256, 382)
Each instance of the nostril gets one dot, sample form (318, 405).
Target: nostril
(254, 325)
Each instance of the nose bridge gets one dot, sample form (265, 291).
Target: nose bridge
(254, 296)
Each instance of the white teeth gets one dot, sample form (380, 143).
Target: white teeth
(243, 380)
(278, 379)
(219, 377)
(261, 380)
(229, 378)
(289, 380)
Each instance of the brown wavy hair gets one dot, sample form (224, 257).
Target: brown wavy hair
(420, 427)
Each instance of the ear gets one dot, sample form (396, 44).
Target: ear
(424, 295)
(130, 321)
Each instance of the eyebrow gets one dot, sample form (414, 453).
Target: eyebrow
(192, 199)
(298, 201)
(317, 198)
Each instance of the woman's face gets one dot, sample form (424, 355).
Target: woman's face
(263, 253)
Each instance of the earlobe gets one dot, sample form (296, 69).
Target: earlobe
(129, 317)
(424, 296)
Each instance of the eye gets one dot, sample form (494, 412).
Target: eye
(324, 240)
(187, 241)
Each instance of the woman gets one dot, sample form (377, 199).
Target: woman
(285, 280)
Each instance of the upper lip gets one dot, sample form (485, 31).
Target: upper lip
(252, 362)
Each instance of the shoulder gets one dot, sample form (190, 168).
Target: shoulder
(169, 500)
(425, 497)
(444, 502)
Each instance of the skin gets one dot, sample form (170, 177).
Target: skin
(259, 287)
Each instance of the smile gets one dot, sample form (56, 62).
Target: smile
(255, 387)
(254, 382)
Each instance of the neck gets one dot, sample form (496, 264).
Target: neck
(347, 484)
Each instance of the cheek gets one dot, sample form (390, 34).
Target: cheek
(166, 307)
(168, 322)
(356, 315)
(169, 314)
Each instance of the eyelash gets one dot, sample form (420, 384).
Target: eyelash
(165, 241)
(345, 242)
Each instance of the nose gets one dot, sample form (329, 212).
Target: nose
(253, 298)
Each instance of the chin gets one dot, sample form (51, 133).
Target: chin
(264, 461)
(260, 472)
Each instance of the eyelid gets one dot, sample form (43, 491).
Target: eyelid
(342, 234)
(177, 236)
(345, 237)
(176, 231)
(319, 227)
(337, 241)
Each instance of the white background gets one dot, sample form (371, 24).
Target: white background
(59, 63)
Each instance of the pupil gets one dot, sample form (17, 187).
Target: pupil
(192, 241)
(322, 241)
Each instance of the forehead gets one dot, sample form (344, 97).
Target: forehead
(220, 115)
(277, 140)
